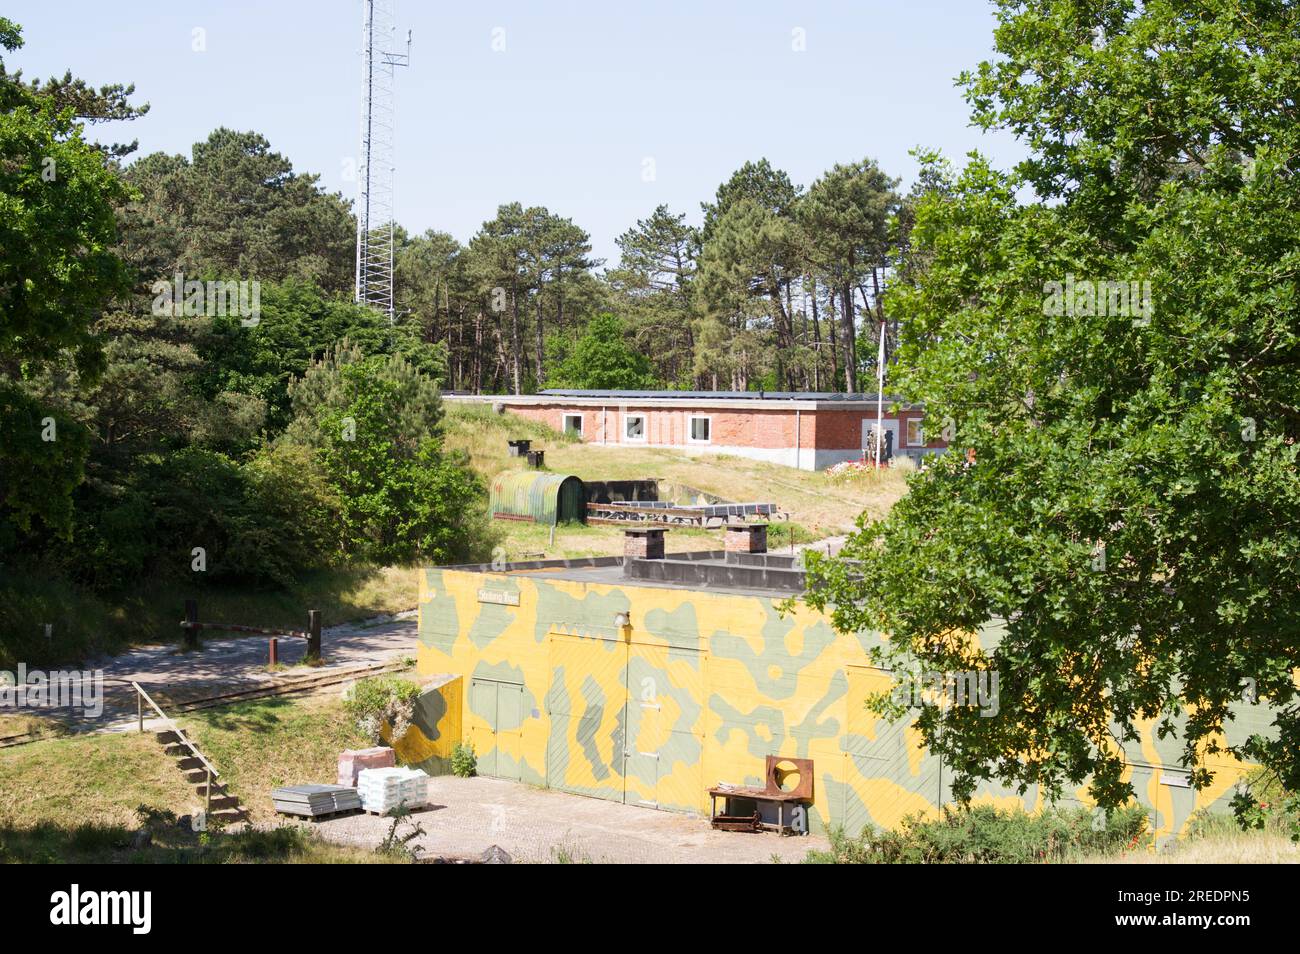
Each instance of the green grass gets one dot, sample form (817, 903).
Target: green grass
(85, 623)
(97, 780)
(85, 798)
(170, 843)
(265, 743)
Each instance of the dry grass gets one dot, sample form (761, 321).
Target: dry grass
(1239, 848)
(819, 506)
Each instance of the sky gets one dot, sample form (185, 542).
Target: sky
(599, 111)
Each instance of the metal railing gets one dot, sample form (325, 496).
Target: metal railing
(142, 697)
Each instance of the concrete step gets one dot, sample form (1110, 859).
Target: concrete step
(167, 738)
(224, 803)
(197, 776)
(189, 762)
(217, 788)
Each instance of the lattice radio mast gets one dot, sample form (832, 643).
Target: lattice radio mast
(379, 58)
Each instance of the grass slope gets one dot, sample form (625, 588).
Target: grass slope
(819, 507)
(263, 744)
(87, 798)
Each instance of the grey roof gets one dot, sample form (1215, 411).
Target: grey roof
(716, 395)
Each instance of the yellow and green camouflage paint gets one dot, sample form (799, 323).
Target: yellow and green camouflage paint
(698, 688)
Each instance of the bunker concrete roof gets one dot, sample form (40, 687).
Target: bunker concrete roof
(703, 571)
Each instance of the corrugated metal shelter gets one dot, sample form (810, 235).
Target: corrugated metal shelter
(538, 497)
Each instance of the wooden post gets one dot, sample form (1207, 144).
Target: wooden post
(273, 652)
(313, 637)
(191, 616)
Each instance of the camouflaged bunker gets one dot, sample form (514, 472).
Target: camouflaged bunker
(647, 679)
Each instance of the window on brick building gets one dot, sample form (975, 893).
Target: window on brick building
(573, 424)
(915, 436)
(634, 427)
(701, 429)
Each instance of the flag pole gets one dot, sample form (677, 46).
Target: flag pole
(880, 394)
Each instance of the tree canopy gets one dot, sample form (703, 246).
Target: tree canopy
(1119, 354)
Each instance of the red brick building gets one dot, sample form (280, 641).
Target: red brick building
(810, 431)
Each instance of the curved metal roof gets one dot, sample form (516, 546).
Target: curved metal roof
(540, 496)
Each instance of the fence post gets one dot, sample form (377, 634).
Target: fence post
(273, 652)
(313, 636)
(139, 710)
(191, 616)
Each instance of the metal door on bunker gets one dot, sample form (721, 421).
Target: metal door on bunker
(884, 781)
(665, 690)
(622, 719)
(496, 714)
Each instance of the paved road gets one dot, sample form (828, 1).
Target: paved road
(227, 665)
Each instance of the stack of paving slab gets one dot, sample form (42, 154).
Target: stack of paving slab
(383, 789)
(312, 801)
(352, 761)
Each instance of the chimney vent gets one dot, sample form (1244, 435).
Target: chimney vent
(746, 538)
(647, 544)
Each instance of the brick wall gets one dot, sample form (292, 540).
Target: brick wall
(643, 544)
(750, 538)
(766, 428)
(842, 430)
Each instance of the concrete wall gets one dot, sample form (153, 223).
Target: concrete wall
(698, 689)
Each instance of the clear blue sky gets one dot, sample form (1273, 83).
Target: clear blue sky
(566, 114)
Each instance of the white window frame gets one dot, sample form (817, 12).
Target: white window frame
(564, 427)
(645, 423)
(920, 432)
(690, 421)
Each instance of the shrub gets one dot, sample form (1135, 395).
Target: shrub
(381, 700)
(985, 834)
(464, 763)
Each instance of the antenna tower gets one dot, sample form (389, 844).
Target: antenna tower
(379, 58)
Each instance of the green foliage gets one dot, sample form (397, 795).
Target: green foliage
(1133, 512)
(298, 323)
(984, 834)
(464, 763)
(237, 210)
(602, 358)
(374, 424)
(58, 197)
(654, 279)
(40, 468)
(399, 842)
(382, 701)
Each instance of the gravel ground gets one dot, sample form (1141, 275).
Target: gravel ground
(468, 816)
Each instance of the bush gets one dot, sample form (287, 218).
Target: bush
(374, 426)
(464, 763)
(988, 835)
(379, 701)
